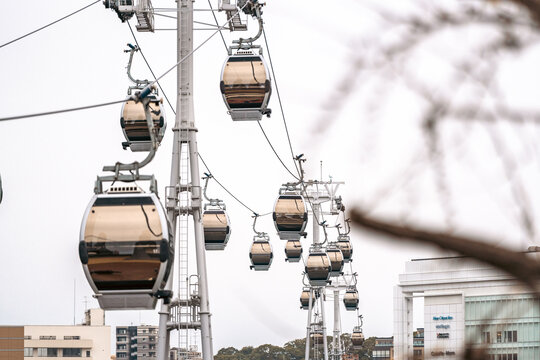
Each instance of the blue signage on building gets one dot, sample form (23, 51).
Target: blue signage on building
(443, 317)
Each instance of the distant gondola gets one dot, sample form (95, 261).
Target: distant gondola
(304, 299)
(318, 267)
(261, 253)
(293, 250)
(357, 337)
(135, 126)
(350, 300)
(217, 229)
(290, 216)
(336, 259)
(345, 246)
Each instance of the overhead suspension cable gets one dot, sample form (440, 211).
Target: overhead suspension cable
(279, 99)
(198, 47)
(148, 87)
(149, 68)
(62, 111)
(224, 188)
(274, 150)
(220, 33)
(46, 26)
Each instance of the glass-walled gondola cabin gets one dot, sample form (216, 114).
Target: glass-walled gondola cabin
(245, 86)
(216, 229)
(126, 249)
(290, 216)
(135, 127)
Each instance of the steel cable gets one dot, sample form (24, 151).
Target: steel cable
(46, 26)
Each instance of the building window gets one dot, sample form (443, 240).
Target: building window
(47, 352)
(510, 336)
(87, 353)
(47, 337)
(121, 355)
(121, 331)
(28, 352)
(27, 337)
(72, 338)
(486, 337)
(121, 338)
(499, 336)
(71, 352)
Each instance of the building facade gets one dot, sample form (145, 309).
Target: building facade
(90, 340)
(384, 348)
(136, 342)
(465, 302)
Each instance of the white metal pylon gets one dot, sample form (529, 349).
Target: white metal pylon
(184, 197)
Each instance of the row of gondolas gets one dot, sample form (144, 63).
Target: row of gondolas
(125, 242)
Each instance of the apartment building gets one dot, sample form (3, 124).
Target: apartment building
(90, 340)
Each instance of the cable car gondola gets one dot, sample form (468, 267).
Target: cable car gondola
(290, 216)
(350, 300)
(135, 126)
(345, 246)
(126, 248)
(261, 253)
(336, 259)
(317, 267)
(304, 299)
(317, 337)
(246, 86)
(217, 229)
(293, 250)
(357, 337)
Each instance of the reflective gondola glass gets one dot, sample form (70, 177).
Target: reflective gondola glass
(126, 249)
(216, 229)
(246, 87)
(135, 127)
(290, 216)
(318, 268)
(293, 250)
(350, 300)
(261, 254)
(345, 246)
(304, 299)
(336, 260)
(357, 337)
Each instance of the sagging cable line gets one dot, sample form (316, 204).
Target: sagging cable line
(228, 192)
(149, 68)
(274, 150)
(61, 111)
(279, 97)
(46, 26)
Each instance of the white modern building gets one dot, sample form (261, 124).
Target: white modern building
(90, 340)
(465, 302)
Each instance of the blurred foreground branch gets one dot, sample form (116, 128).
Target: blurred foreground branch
(514, 263)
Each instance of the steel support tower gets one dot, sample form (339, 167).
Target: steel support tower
(184, 198)
(317, 193)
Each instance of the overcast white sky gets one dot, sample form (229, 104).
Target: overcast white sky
(48, 164)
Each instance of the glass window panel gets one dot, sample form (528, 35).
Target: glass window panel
(289, 213)
(28, 352)
(123, 247)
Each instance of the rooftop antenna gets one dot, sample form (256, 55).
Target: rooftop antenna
(321, 170)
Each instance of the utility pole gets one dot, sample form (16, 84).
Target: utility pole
(185, 154)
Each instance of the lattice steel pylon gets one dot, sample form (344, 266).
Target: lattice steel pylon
(190, 310)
